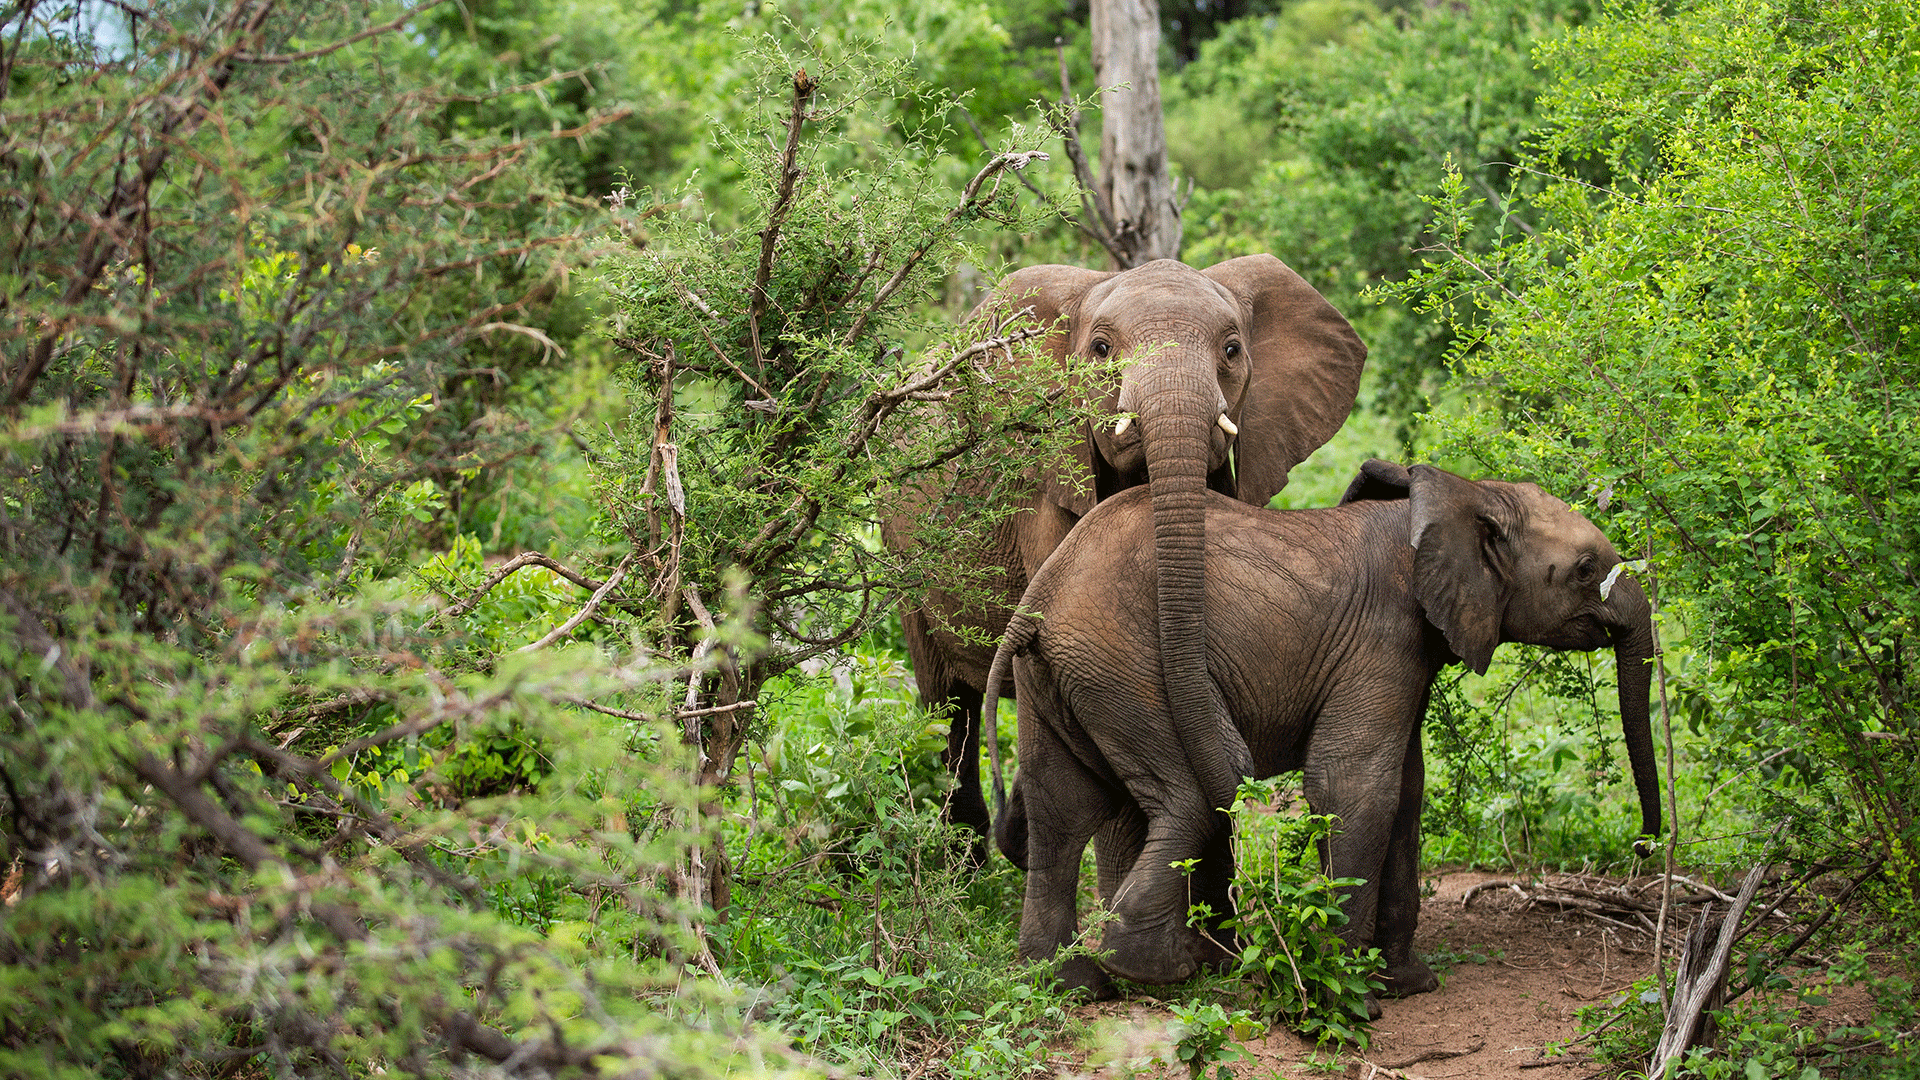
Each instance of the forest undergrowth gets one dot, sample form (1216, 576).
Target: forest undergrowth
(443, 623)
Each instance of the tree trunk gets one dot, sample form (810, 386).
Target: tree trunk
(1133, 139)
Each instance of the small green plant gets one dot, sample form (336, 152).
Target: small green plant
(874, 939)
(1327, 1062)
(1446, 958)
(1207, 1035)
(1289, 915)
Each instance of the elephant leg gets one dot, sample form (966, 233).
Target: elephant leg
(1211, 885)
(1010, 832)
(1354, 775)
(1116, 847)
(1399, 911)
(1066, 804)
(1150, 941)
(1353, 772)
(966, 805)
(942, 690)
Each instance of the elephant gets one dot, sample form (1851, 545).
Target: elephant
(1325, 630)
(1244, 356)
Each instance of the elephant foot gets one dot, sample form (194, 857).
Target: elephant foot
(1408, 977)
(1081, 974)
(1373, 1007)
(1161, 958)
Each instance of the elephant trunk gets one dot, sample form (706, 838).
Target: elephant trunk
(1630, 618)
(1177, 427)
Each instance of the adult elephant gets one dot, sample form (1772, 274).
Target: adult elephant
(1325, 630)
(1243, 356)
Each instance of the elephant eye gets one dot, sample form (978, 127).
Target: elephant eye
(1233, 349)
(1585, 569)
(1101, 348)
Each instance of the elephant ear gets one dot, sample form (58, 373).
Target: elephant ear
(1459, 532)
(1305, 365)
(1052, 292)
(1377, 480)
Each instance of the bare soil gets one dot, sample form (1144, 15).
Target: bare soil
(1514, 974)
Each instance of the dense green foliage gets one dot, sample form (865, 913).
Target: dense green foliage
(443, 621)
(263, 810)
(1288, 918)
(1317, 135)
(1717, 354)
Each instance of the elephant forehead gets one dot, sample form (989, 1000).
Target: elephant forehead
(1184, 301)
(1555, 523)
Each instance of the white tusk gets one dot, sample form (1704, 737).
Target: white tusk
(1120, 427)
(1227, 425)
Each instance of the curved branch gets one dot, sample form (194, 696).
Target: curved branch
(585, 613)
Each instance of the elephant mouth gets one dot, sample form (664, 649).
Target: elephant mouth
(1593, 632)
(1125, 450)
(1578, 634)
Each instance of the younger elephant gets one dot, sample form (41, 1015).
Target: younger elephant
(1325, 629)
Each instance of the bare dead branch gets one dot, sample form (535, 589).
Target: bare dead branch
(1700, 981)
(506, 569)
(585, 613)
(549, 349)
(715, 710)
(788, 172)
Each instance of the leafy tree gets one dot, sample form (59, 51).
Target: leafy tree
(1321, 133)
(790, 380)
(1719, 351)
(262, 811)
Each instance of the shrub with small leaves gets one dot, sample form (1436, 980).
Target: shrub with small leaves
(1288, 918)
(1206, 1035)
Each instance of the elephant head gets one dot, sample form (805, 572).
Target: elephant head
(1228, 378)
(1496, 561)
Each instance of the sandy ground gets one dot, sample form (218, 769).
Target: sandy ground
(1514, 977)
(1515, 974)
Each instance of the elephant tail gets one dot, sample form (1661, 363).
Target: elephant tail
(1021, 630)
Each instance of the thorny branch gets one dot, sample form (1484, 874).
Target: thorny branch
(782, 532)
(1066, 121)
(461, 1030)
(127, 202)
(182, 786)
(970, 202)
(324, 50)
(788, 175)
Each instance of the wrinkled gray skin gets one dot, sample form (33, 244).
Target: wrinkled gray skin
(1325, 629)
(1246, 342)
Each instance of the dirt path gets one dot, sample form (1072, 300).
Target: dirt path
(1517, 975)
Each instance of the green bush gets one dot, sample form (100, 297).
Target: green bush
(269, 811)
(1352, 112)
(875, 938)
(1288, 918)
(1715, 356)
